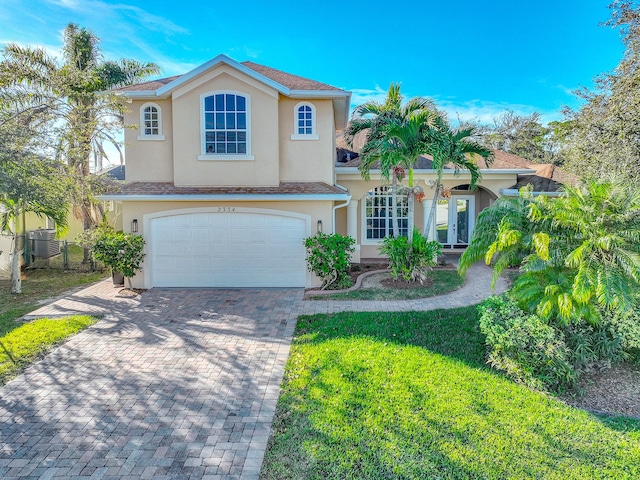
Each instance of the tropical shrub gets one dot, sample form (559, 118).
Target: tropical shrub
(524, 346)
(626, 327)
(503, 234)
(411, 262)
(580, 268)
(123, 252)
(591, 346)
(329, 258)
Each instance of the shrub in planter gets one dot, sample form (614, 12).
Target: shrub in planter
(329, 258)
(411, 262)
(123, 252)
(525, 347)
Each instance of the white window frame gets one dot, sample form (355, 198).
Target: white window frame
(304, 136)
(142, 135)
(365, 203)
(203, 132)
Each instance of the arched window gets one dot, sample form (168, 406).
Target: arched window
(378, 213)
(304, 122)
(150, 122)
(226, 125)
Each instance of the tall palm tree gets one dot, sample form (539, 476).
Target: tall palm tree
(87, 115)
(374, 118)
(456, 148)
(404, 141)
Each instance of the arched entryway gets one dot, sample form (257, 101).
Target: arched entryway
(456, 214)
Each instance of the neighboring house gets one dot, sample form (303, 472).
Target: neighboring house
(30, 221)
(232, 165)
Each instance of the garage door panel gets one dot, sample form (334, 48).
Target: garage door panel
(228, 250)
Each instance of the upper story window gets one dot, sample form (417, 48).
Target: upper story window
(304, 122)
(378, 214)
(150, 122)
(226, 127)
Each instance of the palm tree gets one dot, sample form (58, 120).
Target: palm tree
(404, 141)
(456, 148)
(374, 118)
(580, 253)
(594, 243)
(504, 235)
(76, 89)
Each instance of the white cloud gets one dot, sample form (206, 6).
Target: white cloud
(105, 10)
(244, 51)
(363, 95)
(484, 111)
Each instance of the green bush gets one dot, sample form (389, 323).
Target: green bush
(593, 346)
(123, 252)
(525, 347)
(329, 258)
(626, 325)
(411, 262)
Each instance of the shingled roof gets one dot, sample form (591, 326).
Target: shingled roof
(285, 188)
(547, 177)
(147, 86)
(292, 82)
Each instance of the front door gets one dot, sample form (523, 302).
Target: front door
(455, 219)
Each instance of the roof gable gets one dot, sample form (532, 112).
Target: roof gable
(285, 83)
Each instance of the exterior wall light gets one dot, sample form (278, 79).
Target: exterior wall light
(134, 225)
(319, 229)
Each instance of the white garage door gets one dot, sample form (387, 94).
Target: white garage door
(238, 249)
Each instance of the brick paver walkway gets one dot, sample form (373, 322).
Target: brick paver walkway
(174, 384)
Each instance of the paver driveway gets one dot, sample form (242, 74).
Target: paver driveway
(176, 384)
(183, 384)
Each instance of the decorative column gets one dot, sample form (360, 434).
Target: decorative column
(352, 227)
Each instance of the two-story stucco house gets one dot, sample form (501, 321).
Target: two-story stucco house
(232, 165)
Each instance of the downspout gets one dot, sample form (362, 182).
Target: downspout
(342, 205)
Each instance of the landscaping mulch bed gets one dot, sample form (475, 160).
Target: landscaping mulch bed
(131, 292)
(612, 391)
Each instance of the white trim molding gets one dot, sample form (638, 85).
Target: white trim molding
(308, 111)
(204, 130)
(142, 129)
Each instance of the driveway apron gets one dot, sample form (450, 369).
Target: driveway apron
(178, 384)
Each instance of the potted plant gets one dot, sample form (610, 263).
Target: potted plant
(122, 252)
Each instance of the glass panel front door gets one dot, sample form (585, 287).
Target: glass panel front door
(455, 218)
(463, 208)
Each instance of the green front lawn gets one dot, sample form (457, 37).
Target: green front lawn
(29, 341)
(407, 395)
(443, 281)
(39, 285)
(22, 343)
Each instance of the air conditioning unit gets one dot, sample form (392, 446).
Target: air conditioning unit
(44, 244)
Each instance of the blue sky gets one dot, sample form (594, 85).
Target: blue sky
(475, 58)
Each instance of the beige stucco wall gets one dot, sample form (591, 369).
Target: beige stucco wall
(262, 102)
(148, 160)
(317, 210)
(307, 160)
(276, 156)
